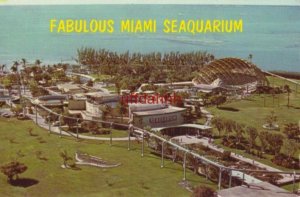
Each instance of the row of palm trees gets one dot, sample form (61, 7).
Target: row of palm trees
(129, 70)
(93, 57)
(271, 142)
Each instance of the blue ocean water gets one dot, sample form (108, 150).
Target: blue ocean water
(271, 33)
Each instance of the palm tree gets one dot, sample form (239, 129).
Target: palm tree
(106, 110)
(239, 130)
(64, 155)
(250, 57)
(219, 124)
(193, 161)
(252, 133)
(147, 137)
(14, 68)
(263, 135)
(229, 127)
(23, 62)
(2, 67)
(121, 109)
(38, 62)
(271, 119)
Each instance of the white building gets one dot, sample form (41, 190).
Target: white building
(156, 115)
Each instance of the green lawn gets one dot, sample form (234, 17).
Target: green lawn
(290, 187)
(136, 176)
(252, 111)
(274, 81)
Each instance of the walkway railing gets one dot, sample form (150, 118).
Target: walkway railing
(133, 129)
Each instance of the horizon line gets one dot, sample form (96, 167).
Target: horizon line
(147, 2)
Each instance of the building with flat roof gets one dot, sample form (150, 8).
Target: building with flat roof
(51, 100)
(89, 104)
(102, 98)
(70, 88)
(156, 115)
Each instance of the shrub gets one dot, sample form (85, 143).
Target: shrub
(285, 161)
(101, 131)
(203, 191)
(226, 156)
(13, 169)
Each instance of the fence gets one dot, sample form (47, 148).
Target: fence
(142, 133)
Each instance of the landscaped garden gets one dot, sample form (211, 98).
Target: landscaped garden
(247, 135)
(42, 154)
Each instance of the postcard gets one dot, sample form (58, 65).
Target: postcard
(150, 98)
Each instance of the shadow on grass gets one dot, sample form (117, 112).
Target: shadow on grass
(76, 168)
(24, 182)
(248, 99)
(124, 146)
(295, 107)
(172, 168)
(84, 141)
(33, 134)
(232, 109)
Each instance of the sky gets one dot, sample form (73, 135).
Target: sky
(218, 2)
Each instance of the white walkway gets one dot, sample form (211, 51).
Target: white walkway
(55, 130)
(205, 141)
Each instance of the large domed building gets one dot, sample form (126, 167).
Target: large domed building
(230, 72)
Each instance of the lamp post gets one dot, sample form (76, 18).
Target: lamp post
(110, 134)
(49, 123)
(184, 166)
(129, 131)
(206, 171)
(220, 179)
(294, 181)
(162, 154)
(77, 125)
(142, 154)
(294, 178)
(59, 127)
(36, 118)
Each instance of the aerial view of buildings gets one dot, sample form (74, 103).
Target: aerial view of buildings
(117, 120)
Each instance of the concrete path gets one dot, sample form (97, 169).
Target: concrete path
(208, 116)
(205, 141)
(56, 130)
